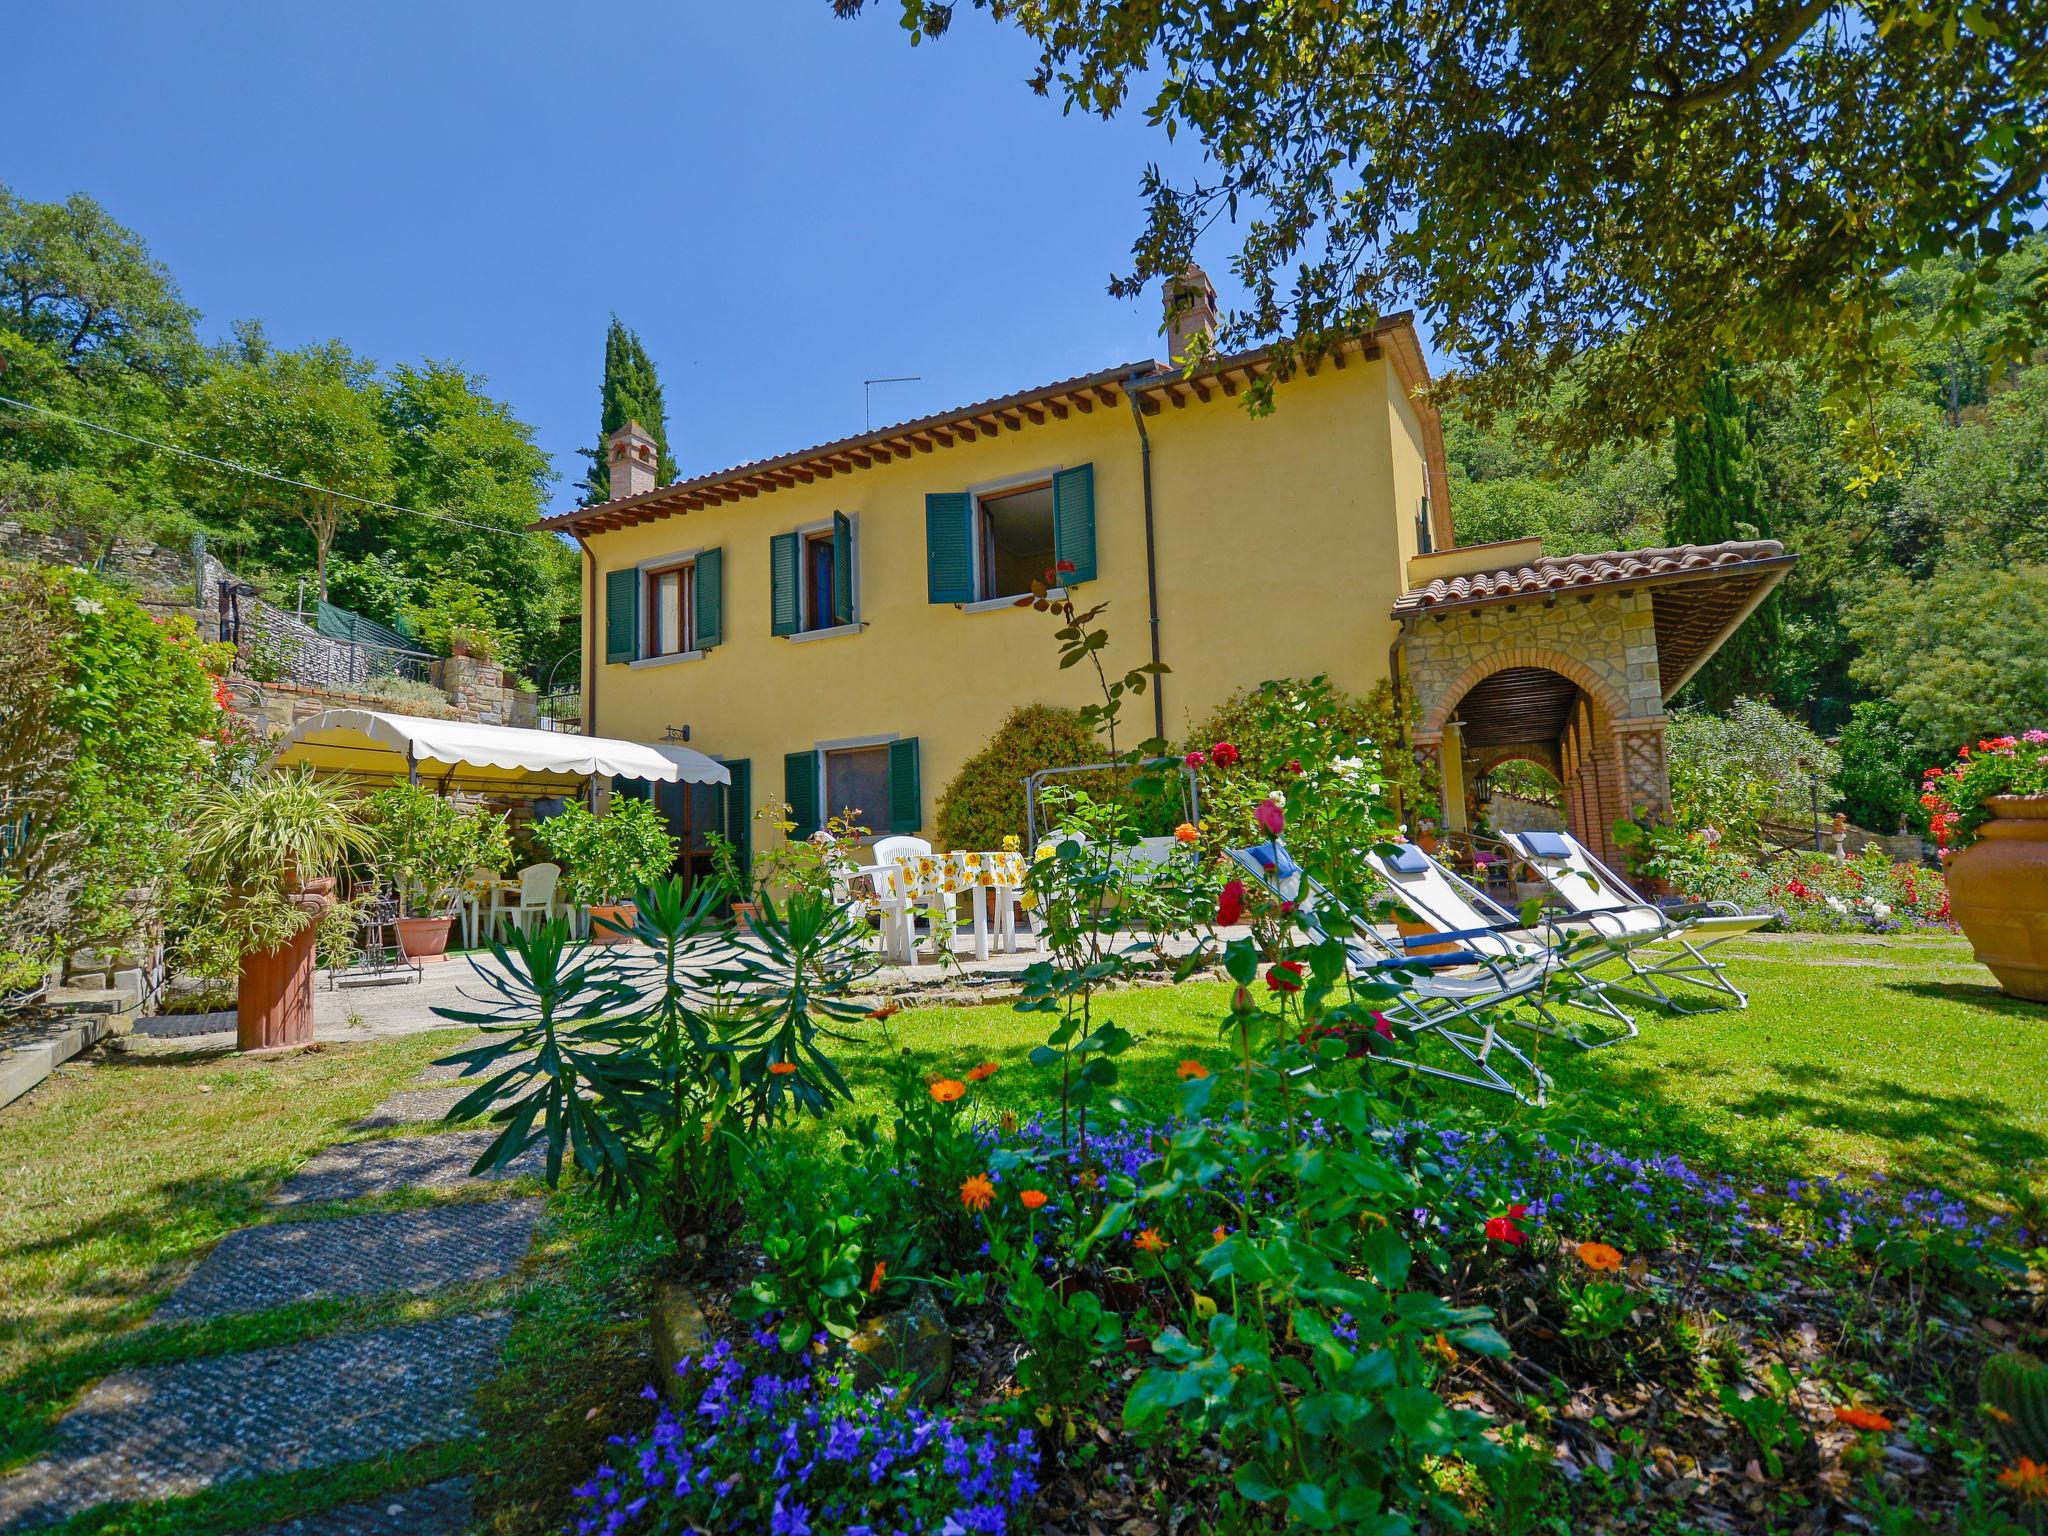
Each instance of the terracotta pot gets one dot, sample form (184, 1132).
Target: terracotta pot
(274, 995)
(743, 916)
(1426, 841)
(624, 914)
(425, 938)
(1998, 892)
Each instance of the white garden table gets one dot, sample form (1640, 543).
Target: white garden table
(935, 879)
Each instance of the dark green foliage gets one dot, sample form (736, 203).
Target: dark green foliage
(631, 392)
(1879, 781)
(2014, 1392)
(985, 802)
(1718, 498)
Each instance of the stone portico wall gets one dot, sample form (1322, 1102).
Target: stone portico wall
(1610, 755)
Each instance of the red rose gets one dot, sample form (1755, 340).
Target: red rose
(1230, 904)
(1285, 977)
(1507, 1229)
(1224, 754)
(1195, 759)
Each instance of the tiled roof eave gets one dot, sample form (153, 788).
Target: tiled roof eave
(1556, 577)
(1156, 384)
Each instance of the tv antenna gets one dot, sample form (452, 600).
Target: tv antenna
(867, 392)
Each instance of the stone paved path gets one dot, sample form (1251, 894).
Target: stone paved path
(359, 1168)
(184, 1427)
(272, 1266)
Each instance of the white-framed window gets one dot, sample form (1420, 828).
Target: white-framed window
(670, 607)
(857, 778)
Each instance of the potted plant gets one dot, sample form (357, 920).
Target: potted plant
(265, 853)
(607, 859)
(1989, 814)
(427, 848)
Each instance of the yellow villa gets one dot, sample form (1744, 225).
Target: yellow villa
(838, 624)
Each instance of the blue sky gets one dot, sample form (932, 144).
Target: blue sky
(781, 203)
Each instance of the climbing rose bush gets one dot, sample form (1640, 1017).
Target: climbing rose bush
(806, 1455)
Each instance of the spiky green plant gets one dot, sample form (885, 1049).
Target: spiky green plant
(2014, 1393)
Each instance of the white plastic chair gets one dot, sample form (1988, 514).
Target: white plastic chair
(892, 900)
(889, 852)
(536, 899)
(1669, 939)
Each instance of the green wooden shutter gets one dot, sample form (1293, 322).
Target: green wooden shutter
(739, 811)
(949, 557)
(622, 615)
(905, 802)
(710, 599)
(1073, 522)
(785, 564)
(800, 789)
(842, 568)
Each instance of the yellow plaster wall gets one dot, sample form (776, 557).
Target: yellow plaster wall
(1281, 545)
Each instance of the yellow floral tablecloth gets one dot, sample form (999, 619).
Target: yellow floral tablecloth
(926, 875)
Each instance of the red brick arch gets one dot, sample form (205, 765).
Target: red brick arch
(1611, 704)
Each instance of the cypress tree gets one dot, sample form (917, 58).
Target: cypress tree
(1718, 496)
(631, 392)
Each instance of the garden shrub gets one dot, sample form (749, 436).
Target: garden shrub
(985, 801)
(1816, 892)
(1750, 765)
(409, 696)
(1265, 736)
(110, 720)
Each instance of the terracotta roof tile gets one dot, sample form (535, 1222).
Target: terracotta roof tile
(1550, 575)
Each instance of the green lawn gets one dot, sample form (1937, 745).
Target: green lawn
(1859, 1055)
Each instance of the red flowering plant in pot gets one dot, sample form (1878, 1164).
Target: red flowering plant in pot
(1989, 814)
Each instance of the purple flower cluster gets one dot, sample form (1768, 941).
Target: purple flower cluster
(806, 1455)
(1648, 1199)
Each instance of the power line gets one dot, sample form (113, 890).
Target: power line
(261, 474)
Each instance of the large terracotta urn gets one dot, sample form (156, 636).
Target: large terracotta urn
(609, 922)
(274, 997)
(425, 938)
(1998, 893)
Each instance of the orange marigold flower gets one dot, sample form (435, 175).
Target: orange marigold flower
(977, 1192)
(2027, 1478)
(983, 1073)
(1219, 1234)
(947, 1089)
(1186, 832)
(1599, 1256)
(1188, 1069)
(875, 1280)
(782, 1068)
(886, 1011)
(1032, 1199)
(1150, 1241)
(1862, 1418)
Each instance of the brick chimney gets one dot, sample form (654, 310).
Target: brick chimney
(1190, 311)
(633, 461)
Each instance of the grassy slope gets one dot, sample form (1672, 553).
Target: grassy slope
(1858, 1055)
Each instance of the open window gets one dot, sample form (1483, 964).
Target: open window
(665, 608)
(988, 546)
(1015, 542)
(813, 573)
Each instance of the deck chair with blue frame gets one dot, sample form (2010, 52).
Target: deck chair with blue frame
(1447, 996)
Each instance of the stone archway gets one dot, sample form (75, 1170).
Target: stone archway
(1574, 712)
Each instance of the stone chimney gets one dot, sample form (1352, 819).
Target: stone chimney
(1190, 311)
(633, 461)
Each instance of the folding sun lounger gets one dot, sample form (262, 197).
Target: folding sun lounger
(1457, 990)
(1461, 912)
(1657, 943)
